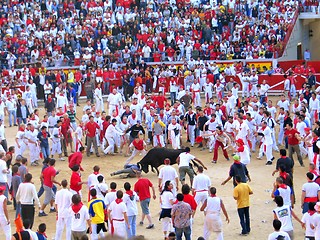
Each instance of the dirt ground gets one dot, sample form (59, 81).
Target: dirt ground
(261, 203)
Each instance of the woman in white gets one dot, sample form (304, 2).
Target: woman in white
(98, 98)
(166, 201)
(4, 216)
(212, 208)
(174, 132)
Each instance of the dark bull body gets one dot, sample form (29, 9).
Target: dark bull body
(155, 158)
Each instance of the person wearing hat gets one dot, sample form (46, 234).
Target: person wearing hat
(237, 169)
(243, 151)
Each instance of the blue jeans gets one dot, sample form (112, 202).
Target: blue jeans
(132, 222)
(22, 120)
(244, 219)
(186, 231)
(173, 97)
(45, 151)
(14, 114)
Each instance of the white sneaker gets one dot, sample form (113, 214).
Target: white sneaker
(61, 159)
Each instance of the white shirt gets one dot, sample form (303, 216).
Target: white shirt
(243, 130)
(79, 219)
(112, 132)
(3, 176)
(272, 110)
(201, 182)
(185, 159)
(311, 189)
(168, 173)
(93, 179)
(213, 205)
(63, 201)
(131, 203)
(165, 199)
(307, 220)
(316, 224)
(101, 188)
(115, 99)
(267, 136)
(109, 198)
(27, 193)
(284, 215)
(274, 235)
(117, 210)
(284, 104)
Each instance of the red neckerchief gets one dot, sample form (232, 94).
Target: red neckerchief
(296, 105)
(211, 120)
(283, 175)
(49, 100)
(130, 193)
(118, 200)
(311, 212)
(284, 186)
(21, 129)
(44, 234)
(133, 116)
(113, 190)
(45, 121)
(263, 128)
(76, 207)
(212, 195)
(284, 157)
(44, 134)
(237, 162)
(95, 173)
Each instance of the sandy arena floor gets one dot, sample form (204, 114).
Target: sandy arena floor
(261, 202)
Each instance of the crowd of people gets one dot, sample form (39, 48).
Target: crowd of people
(222, 119)
(64, 33)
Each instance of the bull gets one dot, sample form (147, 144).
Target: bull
(155, 158)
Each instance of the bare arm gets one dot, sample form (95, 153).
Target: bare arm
(154, 193)
(227, 180)
(224, 211)
(204, 205)
(199, 161)
(126, 219)
(5, 211)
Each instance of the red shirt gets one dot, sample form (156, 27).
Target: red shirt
(142, 188)
(160, 101)
(292, 140)
(75, 159)
(188, 198)
(74, 180)
(48, 173)
(92, 128)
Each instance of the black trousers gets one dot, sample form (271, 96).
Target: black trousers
(27, 212)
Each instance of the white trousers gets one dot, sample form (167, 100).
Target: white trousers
(110, 148)
(175, 141)
(94, 235)
(200, 197)
(34, 152)
(56, 147)
(5, 227)
(267, 149)
(158, 141)
(61, 223)
(112, 107)
(21, 150)
(99, 105)
(191, 134)
(120, 229)
(197, 99)
(212, 223)
(134, 153)
(245, 89)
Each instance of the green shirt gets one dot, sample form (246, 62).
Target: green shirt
(72, 116)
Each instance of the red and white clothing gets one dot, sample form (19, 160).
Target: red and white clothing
(21, 142)
(314, 107)
(168, 173)
(115, 101)
(213, 222)
(6, 228)
(174, 135)
(79, 218)
(112, 134)
(99, 99)
(200, 186)
(139, 147)
(117, 210)
(196, 94)
(208, 89)
(62, 101)
(78, 138)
